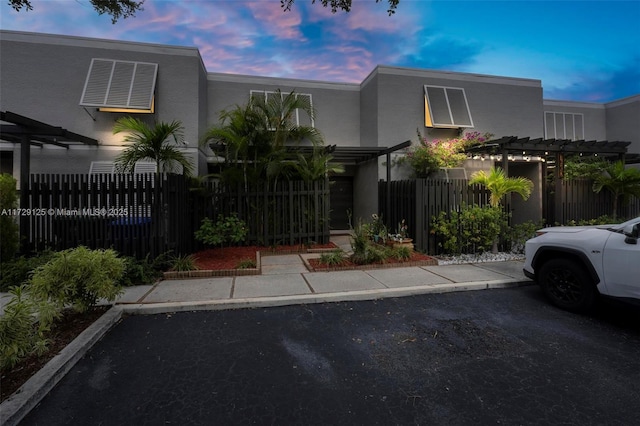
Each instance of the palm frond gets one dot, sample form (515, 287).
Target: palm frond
(151, 143)
(499, 185)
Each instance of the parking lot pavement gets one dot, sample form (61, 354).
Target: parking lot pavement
(501, 356)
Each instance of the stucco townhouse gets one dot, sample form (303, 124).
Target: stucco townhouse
(82, 85)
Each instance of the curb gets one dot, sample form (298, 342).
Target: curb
(275, 301)
(18, 405)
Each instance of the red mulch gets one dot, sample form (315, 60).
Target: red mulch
(229, 257)
(415, 257)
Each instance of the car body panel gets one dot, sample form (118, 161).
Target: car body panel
(621, 264)
(612, 258)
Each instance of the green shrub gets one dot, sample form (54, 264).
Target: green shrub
(143, 272)
(228, 229)
(365, 251)
(246, 264)
(429, 156)
(79, 277)
(519, 234)
(162, 262)
(360, 239)
(401, 253)
(472, 229)
(601, 220)
(16, 271)
(332, 258)
(23, 326)
(9, 230)
(373, 253)
(184, 263)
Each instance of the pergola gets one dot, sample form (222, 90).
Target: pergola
(546, 148)
(27, 132)
(552, 151)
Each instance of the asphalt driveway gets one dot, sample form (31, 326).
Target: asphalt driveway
(481, 357)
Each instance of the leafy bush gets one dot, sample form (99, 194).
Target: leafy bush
(519, 234)
(430, 156)
(401, 253)
(366, 251)
(472, 229)
(23, 326)
(226, 229)
(145, 271)
(184, 263)
(584, 167)
(601, 220)
(16, 271)
(246, 264)
(9, 231)
(332, 258)
(378, 253)
(79, 277)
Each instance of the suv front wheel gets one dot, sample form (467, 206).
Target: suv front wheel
(567, 285)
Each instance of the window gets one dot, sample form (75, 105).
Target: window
(301, 118)
(145, 167)
(562, 125)
(98, 167)
(120, 86)
(446, 107)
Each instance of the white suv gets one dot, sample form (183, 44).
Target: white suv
(576, 264)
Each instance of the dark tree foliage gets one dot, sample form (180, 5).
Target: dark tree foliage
(115, 8)
(339, 4)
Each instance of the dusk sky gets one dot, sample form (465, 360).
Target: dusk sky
(581, 50)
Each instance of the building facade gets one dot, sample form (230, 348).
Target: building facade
(84, 85)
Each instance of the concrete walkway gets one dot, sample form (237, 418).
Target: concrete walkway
(285, 280)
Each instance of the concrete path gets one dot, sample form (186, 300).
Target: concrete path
(285, 280)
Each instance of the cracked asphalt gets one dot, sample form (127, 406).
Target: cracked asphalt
(481, 357)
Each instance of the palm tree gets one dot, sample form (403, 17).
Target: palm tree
(499, 185)
(255, 137)
(279, 115)
(241, 143)
(152, 143)
(316, 166)
(621, 181)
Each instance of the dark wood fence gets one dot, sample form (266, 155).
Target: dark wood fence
(419, 201)
(293, 212)
(150, 214)
(579, 202)
(132, 213)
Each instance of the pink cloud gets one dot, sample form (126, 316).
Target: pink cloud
(273, 21)
(375, 18)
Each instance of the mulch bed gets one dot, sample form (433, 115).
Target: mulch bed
(230, 257)
(225, 261)
(65, 329)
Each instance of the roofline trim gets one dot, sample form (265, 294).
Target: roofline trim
(451, 75)
(96, 43)
(275, 81)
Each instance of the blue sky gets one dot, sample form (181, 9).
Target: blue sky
(581, 50)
